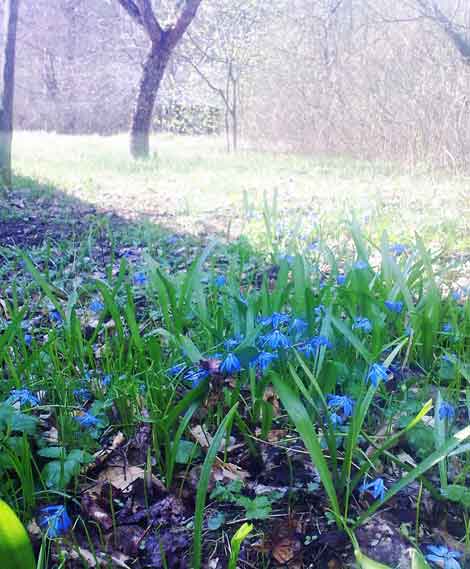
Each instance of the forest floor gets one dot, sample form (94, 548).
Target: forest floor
(102, 295)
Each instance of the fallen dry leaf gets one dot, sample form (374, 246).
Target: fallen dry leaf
(227, 472)
(286, 549)
(121, 477)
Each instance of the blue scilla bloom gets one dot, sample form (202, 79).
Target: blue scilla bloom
(397, 249)
(220, 281)
(298, 326)
(447, 328)
(55, 316)
(96, 306)
(446, 411)
(377, 373)
(375, 487)
(195, 376)
(82, 394)
(277, 340)
(23, 397)
(140, 279)
(341, 402)
(86, 420)
(28, 339)
(360, 265)
(264, 359)
(106, 379)
(177, 369)
(336, 419)
(443, 557)
(394, 306)
(341, 280)
(232, 343)
(319, 341)
(308, 349)
(55, 520)
(231, 364)
(276, 319)
(362, 323)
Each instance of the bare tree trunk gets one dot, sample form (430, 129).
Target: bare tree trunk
(152, 75)
(163, 42)
(7, 91)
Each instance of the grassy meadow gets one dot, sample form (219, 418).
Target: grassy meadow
(250, 360)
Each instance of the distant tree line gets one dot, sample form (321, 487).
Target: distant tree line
(367, 78)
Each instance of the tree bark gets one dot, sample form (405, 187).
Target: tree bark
(7, 90)
(152, 75)
(163, 42)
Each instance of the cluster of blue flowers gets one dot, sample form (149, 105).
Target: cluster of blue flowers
(443, 557)
(375, 487)
(54, 520)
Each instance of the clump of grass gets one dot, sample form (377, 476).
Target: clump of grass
(343, 343)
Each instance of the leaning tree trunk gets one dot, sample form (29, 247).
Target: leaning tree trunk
(7, 90)
(152, 75)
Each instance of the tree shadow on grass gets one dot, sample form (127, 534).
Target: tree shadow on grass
(34, 213)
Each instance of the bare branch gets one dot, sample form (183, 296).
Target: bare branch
(151, 25)
(185, 18)
(133, 11)
(430, 9)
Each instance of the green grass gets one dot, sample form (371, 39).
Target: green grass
(196, 181)
(93, 374)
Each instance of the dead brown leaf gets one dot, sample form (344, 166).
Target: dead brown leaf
(286, 549)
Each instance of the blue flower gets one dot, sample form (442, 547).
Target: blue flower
(341, 402)
(397, 249)
(362, 323)
(336, 419)
(176, 369)
(140, 279)
(375, 487)
(82, 394)
(394, 306)
(220, 281)
(299, 325)
(86, 420)
(195, 376)
(231, 364)
(446, 411)
(55, 316)
(377, 373)
(275, 320)
(28, 339)
(96, 306)
(360, 265)
(447, 328)
(320, 341)
(55, 520)
(443, 557)
(277, 340)
(341, 280)
(264, 359)
(232, 343)
(23, 397)
(106, 380)
(308, 349)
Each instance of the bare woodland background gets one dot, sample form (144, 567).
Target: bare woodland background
(372, 79)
